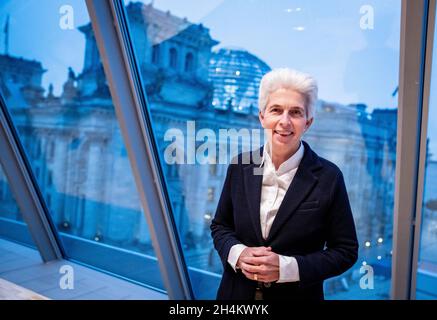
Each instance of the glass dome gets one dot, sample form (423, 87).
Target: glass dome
(236, 74)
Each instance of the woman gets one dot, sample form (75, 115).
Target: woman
(282, 233)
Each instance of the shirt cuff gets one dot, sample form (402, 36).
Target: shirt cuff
(234, 254)
(288, 269)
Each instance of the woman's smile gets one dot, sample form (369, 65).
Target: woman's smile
(283, 136)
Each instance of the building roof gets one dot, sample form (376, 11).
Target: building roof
(21, 64)
(162, 26)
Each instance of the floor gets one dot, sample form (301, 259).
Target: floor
(22, 266)
(11, 291)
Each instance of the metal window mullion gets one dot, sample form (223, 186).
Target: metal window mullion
(423, 143)
(110, 31)
(25, 189)
(411, 85)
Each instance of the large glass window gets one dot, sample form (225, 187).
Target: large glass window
(55, 88)
(426, 285)
(12, 225)
(351, 47)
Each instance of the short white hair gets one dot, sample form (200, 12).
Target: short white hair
(286, 78)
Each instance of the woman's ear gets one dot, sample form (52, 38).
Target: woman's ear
(309, 123)
(261, 118)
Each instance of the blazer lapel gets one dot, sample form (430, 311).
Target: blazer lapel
(252, 185)
(302, 184)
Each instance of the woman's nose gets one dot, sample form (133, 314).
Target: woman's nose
(285, 118)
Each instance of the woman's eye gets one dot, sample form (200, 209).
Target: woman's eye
(296, 112)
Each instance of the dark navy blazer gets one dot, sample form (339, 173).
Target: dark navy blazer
(314, 224)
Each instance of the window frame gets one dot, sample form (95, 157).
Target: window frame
(413, 99)
(111, 30)
(25, 190)
(423, 136)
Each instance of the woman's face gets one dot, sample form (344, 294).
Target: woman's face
(285, 117)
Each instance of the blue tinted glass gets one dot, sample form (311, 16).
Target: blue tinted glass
(202, 62)
(426, 281)
(56, 91)
(12, 224)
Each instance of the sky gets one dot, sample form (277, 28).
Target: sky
(35, 34)
(351, 64)
(324, 38)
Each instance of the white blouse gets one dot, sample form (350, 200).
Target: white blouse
(274, 186)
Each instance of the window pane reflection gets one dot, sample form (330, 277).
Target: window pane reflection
(426, 281)
(12, 225)
(56, 91)
(353, 51)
